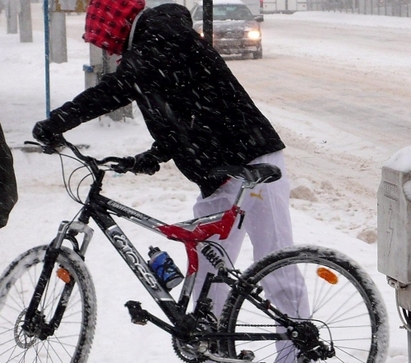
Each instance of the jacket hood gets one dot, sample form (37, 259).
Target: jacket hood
(108, 23)
(177, 12)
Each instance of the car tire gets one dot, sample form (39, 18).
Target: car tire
(258, 54)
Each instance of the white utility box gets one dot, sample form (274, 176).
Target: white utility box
(394, 218)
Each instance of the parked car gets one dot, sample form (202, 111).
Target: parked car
(236, 31)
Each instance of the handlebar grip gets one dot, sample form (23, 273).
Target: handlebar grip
(47, 149)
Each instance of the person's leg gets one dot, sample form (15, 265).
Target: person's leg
(221, 200)
(268, 225)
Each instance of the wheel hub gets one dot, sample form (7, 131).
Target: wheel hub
(23, 339)
(305, 337)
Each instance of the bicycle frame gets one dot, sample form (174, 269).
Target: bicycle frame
(98, 208)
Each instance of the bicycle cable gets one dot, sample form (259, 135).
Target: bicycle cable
(67, 181)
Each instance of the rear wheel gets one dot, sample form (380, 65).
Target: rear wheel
(341, 301)
(71, 341)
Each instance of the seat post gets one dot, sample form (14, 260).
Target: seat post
(241, 193)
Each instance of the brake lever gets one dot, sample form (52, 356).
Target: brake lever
(46, 149)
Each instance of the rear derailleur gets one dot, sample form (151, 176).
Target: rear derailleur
(305, 337)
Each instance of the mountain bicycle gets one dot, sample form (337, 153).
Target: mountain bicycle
(48, 300)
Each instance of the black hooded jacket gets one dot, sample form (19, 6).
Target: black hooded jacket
(195, 109)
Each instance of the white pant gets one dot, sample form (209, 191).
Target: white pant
(267, 223)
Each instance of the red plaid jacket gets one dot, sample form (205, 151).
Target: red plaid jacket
(108, 23)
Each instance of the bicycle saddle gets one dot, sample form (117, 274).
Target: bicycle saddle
(256, 173)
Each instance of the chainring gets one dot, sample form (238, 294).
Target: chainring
(187, 352)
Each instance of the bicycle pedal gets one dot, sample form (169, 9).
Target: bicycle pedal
(138, 315)
(246, 355)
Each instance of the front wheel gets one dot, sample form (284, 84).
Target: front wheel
(318, 286)
(72, 339)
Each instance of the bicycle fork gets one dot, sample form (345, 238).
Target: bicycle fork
(35, 321)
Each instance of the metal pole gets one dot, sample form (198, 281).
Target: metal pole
(47, 54)
(12, 10)
(405, 317)
(58, 37)
(26, 31)
(409, 346)
(208, 20)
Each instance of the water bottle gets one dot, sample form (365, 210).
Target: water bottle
(167, 272)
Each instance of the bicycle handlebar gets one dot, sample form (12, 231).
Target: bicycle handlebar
(256, 173)
(47, 149)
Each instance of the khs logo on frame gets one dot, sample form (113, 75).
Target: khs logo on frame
(122, 244)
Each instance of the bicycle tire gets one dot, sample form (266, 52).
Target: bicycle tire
(347, 301)
(72, 341)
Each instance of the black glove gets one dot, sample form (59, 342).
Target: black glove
(45, 133)
(144, 163)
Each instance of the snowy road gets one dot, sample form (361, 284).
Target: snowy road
(336, 86)
(335, 83)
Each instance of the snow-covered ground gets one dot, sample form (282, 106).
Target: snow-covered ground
(333, 150)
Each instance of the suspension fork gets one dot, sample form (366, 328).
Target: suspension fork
(34, 323)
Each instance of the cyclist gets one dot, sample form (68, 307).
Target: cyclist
(8, 185)
(199, 116)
